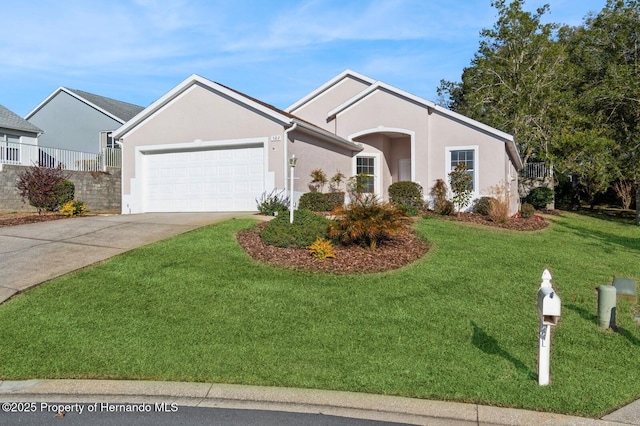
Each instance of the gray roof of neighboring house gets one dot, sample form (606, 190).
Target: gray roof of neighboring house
(11, 120)
(122, 110)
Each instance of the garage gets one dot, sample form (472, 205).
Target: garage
(203, 179)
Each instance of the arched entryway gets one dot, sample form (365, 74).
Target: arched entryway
(387, 157)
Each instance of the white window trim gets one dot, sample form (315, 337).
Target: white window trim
(476, 166)
(376, 169)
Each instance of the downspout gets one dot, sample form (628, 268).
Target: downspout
(286, 154)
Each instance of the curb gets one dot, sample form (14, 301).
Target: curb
(335, 403)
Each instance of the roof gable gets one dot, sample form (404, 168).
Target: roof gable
(284, 118)
(380, 86)
(117, 110)
(11, 120)
(328, 85)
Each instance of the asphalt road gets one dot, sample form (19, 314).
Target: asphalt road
(103, 414)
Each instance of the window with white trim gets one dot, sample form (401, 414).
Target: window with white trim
(366, 166)
(466, 156)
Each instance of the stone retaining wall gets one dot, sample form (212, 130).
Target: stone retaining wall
(100, 191)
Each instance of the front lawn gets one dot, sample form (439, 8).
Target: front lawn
(460, 324)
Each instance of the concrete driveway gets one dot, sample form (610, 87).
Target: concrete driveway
(33, 253)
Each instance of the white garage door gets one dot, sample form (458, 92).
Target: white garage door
(224, 179)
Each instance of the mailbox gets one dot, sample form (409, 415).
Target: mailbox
(548, 306)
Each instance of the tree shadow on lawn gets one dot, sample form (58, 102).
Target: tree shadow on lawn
(606, 237)
(490, 345)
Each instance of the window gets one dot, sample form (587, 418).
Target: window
(366, 166)
(466, 156)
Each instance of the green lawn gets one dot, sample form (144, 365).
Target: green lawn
(461, 324)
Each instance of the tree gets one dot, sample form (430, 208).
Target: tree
(589, 157)
(513, 82)
(605, 54)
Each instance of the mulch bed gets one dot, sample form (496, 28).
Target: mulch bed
(534, 223)
(13, 219)
(402, 250)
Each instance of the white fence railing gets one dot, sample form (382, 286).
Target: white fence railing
(29, 155)
(537, 170)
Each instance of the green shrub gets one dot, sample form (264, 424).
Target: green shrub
(306, 228)
(527, 210)
(367, 221)
(406, 193)
(482, 205)
(334, 199)
(65, 191)
(409, 210)
(275, 201)
(539, 197)
(314, 201)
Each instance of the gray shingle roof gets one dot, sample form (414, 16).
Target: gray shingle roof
(11, 120)
(122, 110)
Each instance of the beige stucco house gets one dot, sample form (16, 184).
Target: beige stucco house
(206, 147)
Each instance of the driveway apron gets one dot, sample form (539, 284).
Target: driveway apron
(33, 253)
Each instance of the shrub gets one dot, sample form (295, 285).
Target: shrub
(334, 199)
(409, 210)
(314, 201)
(275, 201)
(499, 204)
(624, 191)
(482, 205)
(305, 229)
(539, 197)
(460, 182)
(73, 208)
(336, 182)
(439, 195)
(446, 208)
(318, 179)
(65, 191)
(367, 221)
(356, 186)
(527, 210)
(322, 249)
(406, 193)
(44, 187)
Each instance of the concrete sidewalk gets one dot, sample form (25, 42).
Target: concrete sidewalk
(34, 253)
(343, 404)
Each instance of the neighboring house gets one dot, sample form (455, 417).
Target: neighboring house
(80, 121)
(15, 132)
(206, 147)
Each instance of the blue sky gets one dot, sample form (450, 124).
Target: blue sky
(274, 50)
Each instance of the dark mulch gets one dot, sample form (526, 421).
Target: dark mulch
(400, 251)
(13, 219)
(534, 223)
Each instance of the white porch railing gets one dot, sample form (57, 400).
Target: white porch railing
(29, 155)
(537, 170)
